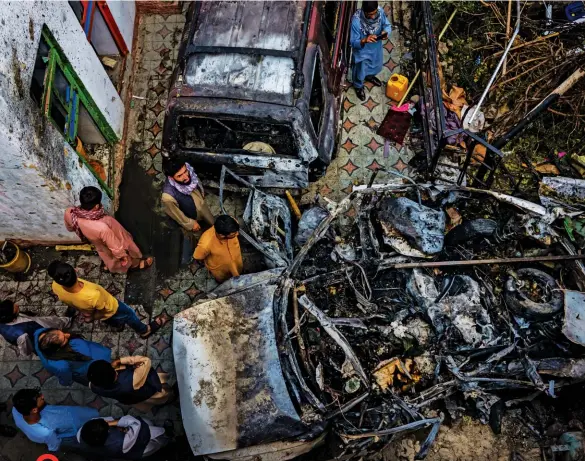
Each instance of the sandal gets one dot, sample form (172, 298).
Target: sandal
(159, 321)
(144, 263)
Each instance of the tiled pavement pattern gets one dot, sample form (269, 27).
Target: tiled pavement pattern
(35, 295)
(361, 150)
(360, 153)
(157, 49)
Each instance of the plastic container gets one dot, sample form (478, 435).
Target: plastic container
(396, 87)
(575, 11)
(20, 262)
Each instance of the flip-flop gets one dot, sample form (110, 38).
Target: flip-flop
(143, 264)
(155, 326)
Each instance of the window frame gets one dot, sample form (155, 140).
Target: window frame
(318, 66)
(89, 8)
(77, 94)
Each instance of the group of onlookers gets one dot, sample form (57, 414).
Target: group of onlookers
(72, 358)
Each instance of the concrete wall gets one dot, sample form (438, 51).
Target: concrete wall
(40, 174)
(124, 13)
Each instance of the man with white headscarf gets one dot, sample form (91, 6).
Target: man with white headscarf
(369, 27)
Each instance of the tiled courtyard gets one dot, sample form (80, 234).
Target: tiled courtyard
(360, 154)
(16, 372)
(361, 150)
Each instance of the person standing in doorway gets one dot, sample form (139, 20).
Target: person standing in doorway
(369, 27)
(219, 249)
(95, 303)
(183, 200)
(113, 243)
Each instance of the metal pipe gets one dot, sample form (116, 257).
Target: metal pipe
(500, 63)
(477, 262)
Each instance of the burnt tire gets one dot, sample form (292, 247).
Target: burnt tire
(523, 306)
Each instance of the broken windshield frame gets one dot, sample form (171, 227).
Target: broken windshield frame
(232, 134)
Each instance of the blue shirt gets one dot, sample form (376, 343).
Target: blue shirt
(371, 52)
(68, 371)
(57, 422)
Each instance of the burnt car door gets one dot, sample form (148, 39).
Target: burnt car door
(327, 55)
(336, 25)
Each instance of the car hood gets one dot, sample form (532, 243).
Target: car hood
(232, 390)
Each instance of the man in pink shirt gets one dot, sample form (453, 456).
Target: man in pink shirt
(113, 243)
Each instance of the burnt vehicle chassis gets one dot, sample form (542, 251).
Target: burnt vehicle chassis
(364, 353)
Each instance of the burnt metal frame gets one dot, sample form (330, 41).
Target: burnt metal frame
(427, 62)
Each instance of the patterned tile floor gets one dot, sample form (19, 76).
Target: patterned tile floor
(361, 150)
(360, 153)
(35, 295)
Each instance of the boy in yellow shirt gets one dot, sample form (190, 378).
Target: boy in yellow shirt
(220, 249)
(95, 303)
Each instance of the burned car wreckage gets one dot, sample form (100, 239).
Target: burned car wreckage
(404, 306)
(357, 339)
(257, 88)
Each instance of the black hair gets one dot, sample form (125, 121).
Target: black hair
(368, 6)
(25, 400)
(62, 273)
(101, 374)
(172, 165)
(89, 197)
(53, 350)
(225, 225)
(95, 432)
(7, 314)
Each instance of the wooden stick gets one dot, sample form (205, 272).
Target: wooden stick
(418, 71)
(504, 70)
(563, 114)
(478, 262)
(409, 88)
(538, 40)
(293, 204)
(520, 64)
(519, 75)
(84, 247)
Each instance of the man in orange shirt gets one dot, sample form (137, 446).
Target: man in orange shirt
(220, 249)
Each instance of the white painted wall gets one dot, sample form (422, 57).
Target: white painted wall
(124, 13)
(40, 175)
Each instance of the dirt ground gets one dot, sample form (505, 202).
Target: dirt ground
(468, 440)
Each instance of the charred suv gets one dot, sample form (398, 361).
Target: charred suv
(257, 89)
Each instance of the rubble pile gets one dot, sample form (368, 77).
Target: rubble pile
(379, 346)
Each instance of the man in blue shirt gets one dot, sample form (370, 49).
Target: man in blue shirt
(18, 328)
(54, 425)
(367, 25)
